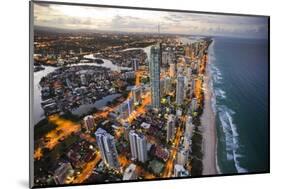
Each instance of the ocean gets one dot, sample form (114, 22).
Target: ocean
(239, 69)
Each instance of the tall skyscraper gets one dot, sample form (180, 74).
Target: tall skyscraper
(167, 85)
(135, 64)
(188, 133)
(137, 92)
(189, 127)
(180, 90)
(171, 123)
(187, 143)
(180, 68)
(126, 108)
(167, 58)
(62, 172)
(194, 104)
(107, 148)
(126, 130)
(154, 71)
(138, 146)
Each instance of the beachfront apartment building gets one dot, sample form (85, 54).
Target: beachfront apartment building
(106, 144)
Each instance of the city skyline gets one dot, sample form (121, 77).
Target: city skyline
(114, 106)
(129, 20)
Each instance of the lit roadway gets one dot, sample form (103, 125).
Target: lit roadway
(124, 162)
(87, 169)
(141, 109)
(111, 109)
(173, 153)
(138, 76)
(64, 129)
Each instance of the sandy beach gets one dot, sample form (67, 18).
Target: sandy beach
(208, 132)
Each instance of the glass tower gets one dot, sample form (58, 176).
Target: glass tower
(154, 71)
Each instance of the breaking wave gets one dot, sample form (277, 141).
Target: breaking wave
(224, 114)
(231, 136)
(220, 93)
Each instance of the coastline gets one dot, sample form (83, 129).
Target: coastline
(208, 126)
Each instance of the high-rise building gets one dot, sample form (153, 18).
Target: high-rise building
(130, 172)
(167, 85)
(194, 104)
(88, 122)
(180, 171)
(127, 127)
(62, 172)
(154, 71)
(188, 71)
(138, 145)
(129, 75)
(188, 125)
(192, 86)
(171, 123)
(137, 92)
(180, 90)
(167, 57)
(180, 70)
(179, 112)
(182, 156)
(187, 143)
(106, 144)
(135, 64)
(172, 70)
(126, 108)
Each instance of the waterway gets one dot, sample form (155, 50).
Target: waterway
(37, 108)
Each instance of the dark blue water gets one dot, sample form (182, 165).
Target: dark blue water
(239, 70)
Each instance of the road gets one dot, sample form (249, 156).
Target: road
(173, 153)
(63, 130)
(87, 169)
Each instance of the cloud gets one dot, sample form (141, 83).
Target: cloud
(77, 17)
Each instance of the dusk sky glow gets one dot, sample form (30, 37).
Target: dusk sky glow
(130, 20)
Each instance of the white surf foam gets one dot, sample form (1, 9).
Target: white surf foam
(225, 114)
(220, 93)
(231, 137)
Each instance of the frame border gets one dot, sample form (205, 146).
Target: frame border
(31, 85)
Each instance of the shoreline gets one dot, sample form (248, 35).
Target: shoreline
(208, 126)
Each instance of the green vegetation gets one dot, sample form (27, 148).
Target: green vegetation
(156, 167)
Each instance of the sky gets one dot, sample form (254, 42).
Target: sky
(131, 20)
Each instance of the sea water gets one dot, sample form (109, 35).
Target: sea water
(239, 69)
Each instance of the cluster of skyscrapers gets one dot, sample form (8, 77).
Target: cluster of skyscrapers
(106, 144)
(138, 145)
